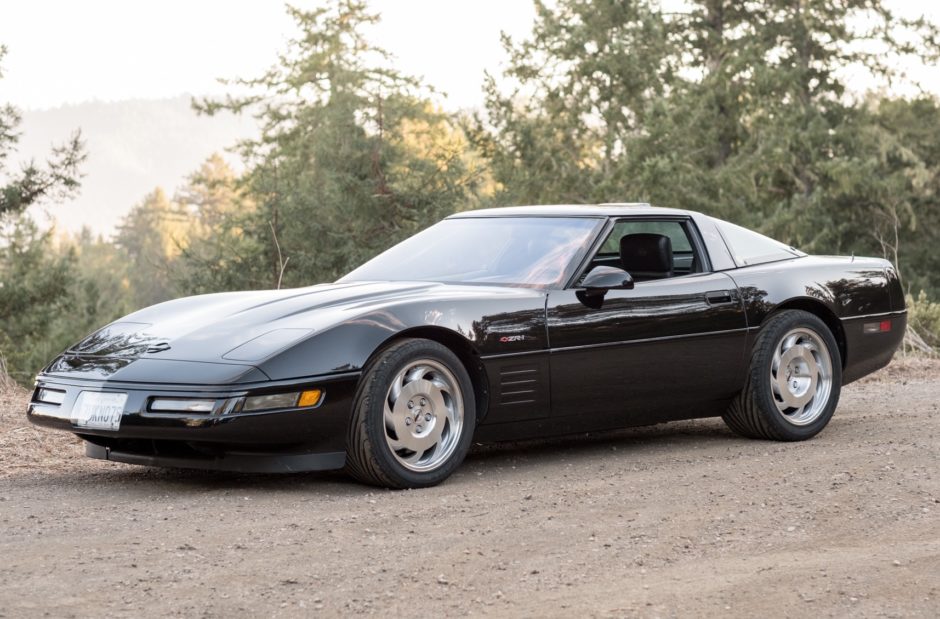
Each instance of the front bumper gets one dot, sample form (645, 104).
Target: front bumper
(264, 441)
(224, 461)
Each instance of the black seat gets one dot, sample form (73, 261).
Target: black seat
(646, 255)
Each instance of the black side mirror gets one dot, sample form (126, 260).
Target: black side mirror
(599, 280)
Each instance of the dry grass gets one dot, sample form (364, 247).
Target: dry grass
(6, 382)
(24, 446)
(907, 367)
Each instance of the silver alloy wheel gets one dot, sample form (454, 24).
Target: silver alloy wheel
(801, 376)
(423, 415)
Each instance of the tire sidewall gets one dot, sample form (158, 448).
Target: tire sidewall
(379, 376)
(760, 373)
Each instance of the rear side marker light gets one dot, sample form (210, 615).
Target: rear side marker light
(877, 327)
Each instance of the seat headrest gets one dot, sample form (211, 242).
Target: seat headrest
(646, 255)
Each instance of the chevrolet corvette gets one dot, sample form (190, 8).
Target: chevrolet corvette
(497, 324)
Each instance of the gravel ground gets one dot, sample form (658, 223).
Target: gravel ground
(683, 519)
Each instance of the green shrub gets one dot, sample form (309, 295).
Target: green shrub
(923, 318)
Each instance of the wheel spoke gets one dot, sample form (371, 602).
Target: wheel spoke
(407, 440)
(434, 436)
(436, 398)
(389, 415)
(416, 373)
(397, 385)
(414, 457)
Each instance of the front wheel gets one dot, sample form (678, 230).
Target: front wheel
(793, 383)
(413, 417)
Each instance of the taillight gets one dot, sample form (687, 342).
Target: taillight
(877, 327)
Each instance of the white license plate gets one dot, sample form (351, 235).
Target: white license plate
(101, 411)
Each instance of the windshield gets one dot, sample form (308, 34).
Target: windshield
(521, 251)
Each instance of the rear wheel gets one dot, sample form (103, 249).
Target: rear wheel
(793, 383)
(413, 417)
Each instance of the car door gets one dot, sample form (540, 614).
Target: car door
(670, 348)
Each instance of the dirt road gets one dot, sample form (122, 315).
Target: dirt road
(677, 520)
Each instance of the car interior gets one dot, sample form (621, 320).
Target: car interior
(648, 250)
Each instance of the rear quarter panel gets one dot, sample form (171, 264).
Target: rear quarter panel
(846, 292)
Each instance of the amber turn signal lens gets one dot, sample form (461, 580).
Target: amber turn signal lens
(309, 398)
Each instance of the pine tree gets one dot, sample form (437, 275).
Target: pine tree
(737, 109)
(34, 276)
(351, 159)
(151, 235)
(59, 178)
(219, 255)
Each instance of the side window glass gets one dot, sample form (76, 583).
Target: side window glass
(673, 229)
(749, 247)
(683, 255)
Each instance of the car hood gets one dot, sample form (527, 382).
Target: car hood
(248, 327)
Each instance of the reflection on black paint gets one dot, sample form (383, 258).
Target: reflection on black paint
(755, 299)
(641, 317)
(104, 366)
(121, 339)
(621, 364)
(862, 294)
(528, 323)
(591, 300)
(851, 293)
(382, 319)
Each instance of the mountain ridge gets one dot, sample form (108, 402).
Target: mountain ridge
(133, 145)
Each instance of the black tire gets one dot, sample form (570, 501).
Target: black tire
(755, 413)
(369, 456)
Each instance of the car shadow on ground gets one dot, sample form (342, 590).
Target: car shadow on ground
(588, 444)
(492, 459)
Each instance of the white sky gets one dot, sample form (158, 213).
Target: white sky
(65, 51)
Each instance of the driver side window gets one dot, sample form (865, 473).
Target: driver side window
(649, 249)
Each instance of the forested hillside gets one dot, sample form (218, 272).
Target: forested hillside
(130, 144)
(738, 109)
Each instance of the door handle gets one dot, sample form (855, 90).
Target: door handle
(720, 297)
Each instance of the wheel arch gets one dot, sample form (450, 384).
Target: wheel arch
(457, 344)
(821, 311)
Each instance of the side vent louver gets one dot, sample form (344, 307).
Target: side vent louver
(517, 384)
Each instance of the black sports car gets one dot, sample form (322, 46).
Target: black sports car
(490, 325)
